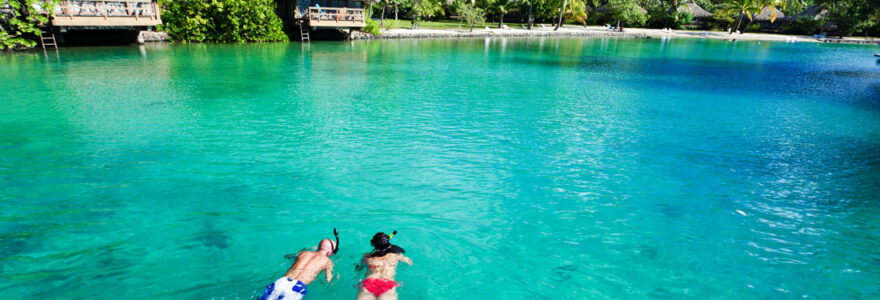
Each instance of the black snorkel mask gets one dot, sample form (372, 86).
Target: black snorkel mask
(336, 247)
(382, 245)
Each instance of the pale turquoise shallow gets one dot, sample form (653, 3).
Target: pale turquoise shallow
(513, 168)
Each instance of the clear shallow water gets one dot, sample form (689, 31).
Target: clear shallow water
(513, 168)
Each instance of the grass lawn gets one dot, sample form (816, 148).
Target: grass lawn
(441, 24)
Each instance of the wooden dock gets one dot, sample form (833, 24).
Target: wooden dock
(341, 17)
(99, 13)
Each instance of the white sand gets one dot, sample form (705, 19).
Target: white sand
(591, 31)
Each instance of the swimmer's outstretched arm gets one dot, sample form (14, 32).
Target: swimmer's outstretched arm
(405, 259)
(328, 271)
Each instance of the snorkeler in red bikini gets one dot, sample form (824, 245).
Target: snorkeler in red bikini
(382, 266)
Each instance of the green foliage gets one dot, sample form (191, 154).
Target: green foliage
(222, 21)
(18, 25)
(734, 11)
(854, 16)
(424, 9)
(627, 11)
(576, 11)
(471, 14)
(372, 27)
(804, 25)
(753, 27)
(500, 7)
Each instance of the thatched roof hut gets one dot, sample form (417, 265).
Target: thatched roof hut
(693, 9)
(816, 12)
(764, 16)
(607, 9)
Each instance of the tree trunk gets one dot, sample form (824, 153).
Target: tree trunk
(395, 13)
(501, 20)
(561, 10)
(738, 22)
(531, 18)
(414, 17)
(382, 17)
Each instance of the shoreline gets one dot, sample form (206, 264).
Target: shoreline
(596, 31)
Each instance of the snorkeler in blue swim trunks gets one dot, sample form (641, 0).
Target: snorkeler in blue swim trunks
(308, 265)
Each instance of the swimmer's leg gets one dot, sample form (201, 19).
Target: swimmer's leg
(364, 294)
(389, 295)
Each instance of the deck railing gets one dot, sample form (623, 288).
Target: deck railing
(103, 13)
(103, 8)
(338, 14)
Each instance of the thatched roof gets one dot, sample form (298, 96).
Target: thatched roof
(817, 12)
(694, 9)
(607, 8)
(764, 16)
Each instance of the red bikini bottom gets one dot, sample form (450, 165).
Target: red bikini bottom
(378, 286)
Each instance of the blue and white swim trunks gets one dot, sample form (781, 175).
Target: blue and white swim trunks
(285, 288)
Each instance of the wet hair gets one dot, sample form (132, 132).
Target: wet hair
(381, 243)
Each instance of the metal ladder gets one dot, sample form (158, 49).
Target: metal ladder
(304, 33)
(47, 38)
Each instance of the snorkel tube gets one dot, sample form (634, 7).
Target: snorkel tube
(392, 235)
(336, 234)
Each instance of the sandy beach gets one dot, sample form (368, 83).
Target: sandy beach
(594, 31)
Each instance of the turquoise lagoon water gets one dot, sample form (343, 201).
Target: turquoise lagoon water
(512, 168)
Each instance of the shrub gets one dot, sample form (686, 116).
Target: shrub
(222, 21)
(372, 27)
(18, 26)
(471, 14)
(753, 27)
(658, 17)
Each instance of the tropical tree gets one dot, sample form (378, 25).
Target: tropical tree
(562, 4)
(501, 7)
(627, 11)
(471, 14)
(422, 9)
(397, 4)
(577, 11)
(531, 19)
(384, 3)
(852, 16)
(740, 9)
(672, 7)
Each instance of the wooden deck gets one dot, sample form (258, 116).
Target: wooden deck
(336, 17)
(106, 13)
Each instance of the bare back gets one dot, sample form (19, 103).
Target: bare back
(384, 267)
(308, 265)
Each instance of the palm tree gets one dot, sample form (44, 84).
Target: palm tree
(502, 7)
(531, 17)
(771, 5)
(573, 9)
(561, 10)
(742, 8)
